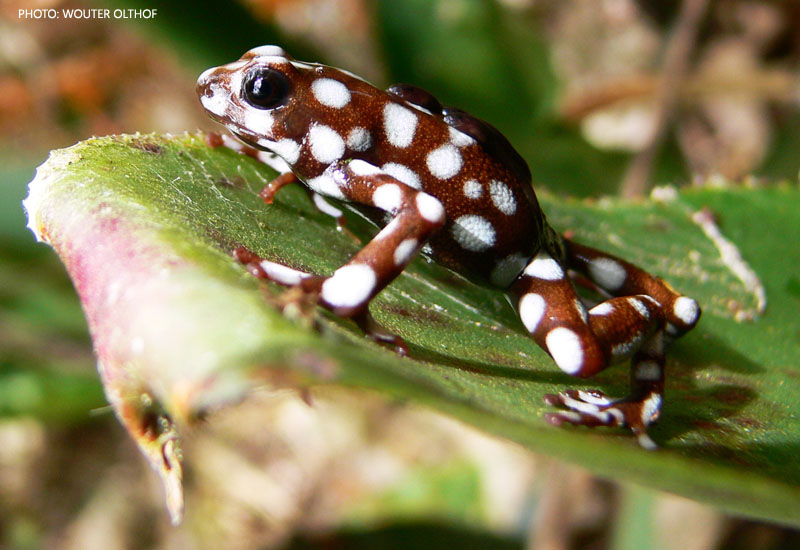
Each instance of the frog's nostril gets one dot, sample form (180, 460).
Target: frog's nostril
(211, 94)
(205, 78)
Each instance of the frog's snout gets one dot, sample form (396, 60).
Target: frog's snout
(210, 91)
(207, 81)
(204, 79)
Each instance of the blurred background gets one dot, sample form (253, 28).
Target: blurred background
(600, 96)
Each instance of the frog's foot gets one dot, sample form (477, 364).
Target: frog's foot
(592, 408)
(306, 287)
(269, 191)
(377, 333)
(278, 273)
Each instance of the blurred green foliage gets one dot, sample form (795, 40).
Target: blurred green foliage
(46, 367)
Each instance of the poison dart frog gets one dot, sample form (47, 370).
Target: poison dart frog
(450, 185)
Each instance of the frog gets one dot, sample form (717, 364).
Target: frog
(449, 186)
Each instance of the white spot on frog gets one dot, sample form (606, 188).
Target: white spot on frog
(502, 197)
(544, 267)
(326, 143)
(216, 101)
(257, 122)
(326, 207)
(444, 162)
(325, 185)
(686, 310)
(649, 371)
(359, 139)
(402, 173)
(473, 189)
(581, 309)
(268, 51)
(604, 308)
(392, 223)
(566, 349)
(330, 93)
(459, 138)
(399, 124)
(474, 233)
(350, 286)
(639, 307)
(531, 310)
(388, 197)
(267, 157)
(430, 208)
(404, 251)
(651, 409)
(282, 274)
(287, 149)
(625, 349)
(363, 168)
(607, 273)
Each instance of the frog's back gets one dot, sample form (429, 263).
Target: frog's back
(493, 219)
(493, 222)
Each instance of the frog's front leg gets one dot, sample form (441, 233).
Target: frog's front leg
(416, 215)
(269, 191)
(584, 342)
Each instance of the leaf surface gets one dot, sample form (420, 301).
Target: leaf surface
(145, 226)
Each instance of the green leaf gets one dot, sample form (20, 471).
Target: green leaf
(146, 224)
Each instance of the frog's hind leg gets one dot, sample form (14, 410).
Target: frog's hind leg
(583, 343)
(620, 278)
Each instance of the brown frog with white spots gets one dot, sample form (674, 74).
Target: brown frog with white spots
(453, 187)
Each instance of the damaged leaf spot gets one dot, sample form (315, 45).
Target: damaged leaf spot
(146, 146)
(732, 258)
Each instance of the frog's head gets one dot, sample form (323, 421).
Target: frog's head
(259, 98)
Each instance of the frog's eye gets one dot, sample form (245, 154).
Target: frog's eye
(265, 88)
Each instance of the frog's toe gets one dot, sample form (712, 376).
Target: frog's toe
(585, 408)
(378, 333)
(304, 288)
(593, 408)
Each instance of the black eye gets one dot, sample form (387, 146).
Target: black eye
(265, 88)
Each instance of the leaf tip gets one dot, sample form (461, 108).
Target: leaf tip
(39, 186)
(32, 203)
(154, 432)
